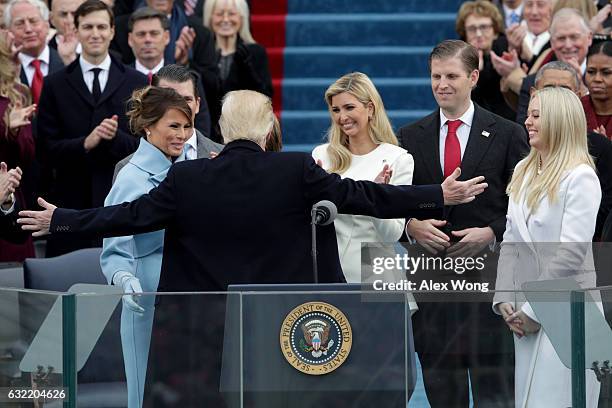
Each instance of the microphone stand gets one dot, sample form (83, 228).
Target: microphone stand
(313, 225)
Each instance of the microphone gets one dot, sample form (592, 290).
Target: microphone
(324, 212)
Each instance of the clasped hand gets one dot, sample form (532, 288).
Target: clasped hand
(518, 322)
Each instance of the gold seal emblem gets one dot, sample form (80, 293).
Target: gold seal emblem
(316, 338)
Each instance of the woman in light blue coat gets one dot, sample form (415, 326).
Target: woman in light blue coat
(163, 119)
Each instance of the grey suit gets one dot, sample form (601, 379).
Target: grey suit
(205, 146)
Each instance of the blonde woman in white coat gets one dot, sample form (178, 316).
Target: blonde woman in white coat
(554, 199)
(362, 146)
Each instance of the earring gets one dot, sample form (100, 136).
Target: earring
(147, 132)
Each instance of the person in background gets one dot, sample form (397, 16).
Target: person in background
(511, 11)
(65, 41)
(570, 40)
(480, 24)
(163, 120)
(598, 78)
(190, 44)
(242, 63)
(183, 81)
(81, 118)
(559, 73)
(16, 142)
(28, 22)
(361, 144)
(554, 198)
(530, 38)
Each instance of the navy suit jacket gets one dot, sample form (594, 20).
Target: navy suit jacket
(260, 231)
(68, 114)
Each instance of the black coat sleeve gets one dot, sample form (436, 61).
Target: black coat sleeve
(150, 212)
(368, 198)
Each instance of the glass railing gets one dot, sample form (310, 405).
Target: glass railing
(289, 345)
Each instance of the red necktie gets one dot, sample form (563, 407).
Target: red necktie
(37, 80)
(150, 76)
(452, 148)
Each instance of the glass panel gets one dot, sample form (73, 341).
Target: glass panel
(31, 362)
(170, 355)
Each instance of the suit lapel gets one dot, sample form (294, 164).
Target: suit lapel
(429, 144)
(482, 134)
(115, 80)
(75, 79)
(55, 61)
(23, 78)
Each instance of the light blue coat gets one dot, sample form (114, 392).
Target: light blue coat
(141, 255)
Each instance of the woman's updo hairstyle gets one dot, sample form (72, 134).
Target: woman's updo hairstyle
(148, 105)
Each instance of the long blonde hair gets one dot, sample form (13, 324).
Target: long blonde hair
(10, 87)
(563, 129)
(243, 9)
(379, 127)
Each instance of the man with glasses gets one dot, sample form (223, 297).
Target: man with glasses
(28, 22)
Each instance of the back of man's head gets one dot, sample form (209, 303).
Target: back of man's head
(246, 115)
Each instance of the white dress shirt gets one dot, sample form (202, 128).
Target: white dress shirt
(463, 132)
(88, 75)
(535, 43)
(191, 147)
(29, 69)
(141, 68)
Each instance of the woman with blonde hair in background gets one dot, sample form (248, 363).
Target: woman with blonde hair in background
(243, 64)
(362, 146)
(554, 200)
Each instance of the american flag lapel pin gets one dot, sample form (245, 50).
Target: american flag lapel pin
(485, 133)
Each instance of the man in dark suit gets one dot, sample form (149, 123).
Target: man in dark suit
(82, 117)
(190, 43)
(184, 82)
(29, 24)
(62, 18)
(457, 340)
(148, 37)
(562, 74)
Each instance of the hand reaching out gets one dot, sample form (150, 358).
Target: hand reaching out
(37, 221)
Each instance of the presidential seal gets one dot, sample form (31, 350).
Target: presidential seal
(316, 338)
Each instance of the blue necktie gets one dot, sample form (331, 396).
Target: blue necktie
(514, 18)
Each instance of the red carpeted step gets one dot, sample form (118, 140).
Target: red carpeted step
(268, 7)
(269, 29)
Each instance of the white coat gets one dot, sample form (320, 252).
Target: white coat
(553, 242)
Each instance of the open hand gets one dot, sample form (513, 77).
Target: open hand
(37, 221)
(19, 117)
(461, 192)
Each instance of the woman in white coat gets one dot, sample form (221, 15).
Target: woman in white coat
(362, 146)
(133, 262)
(554, 199)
